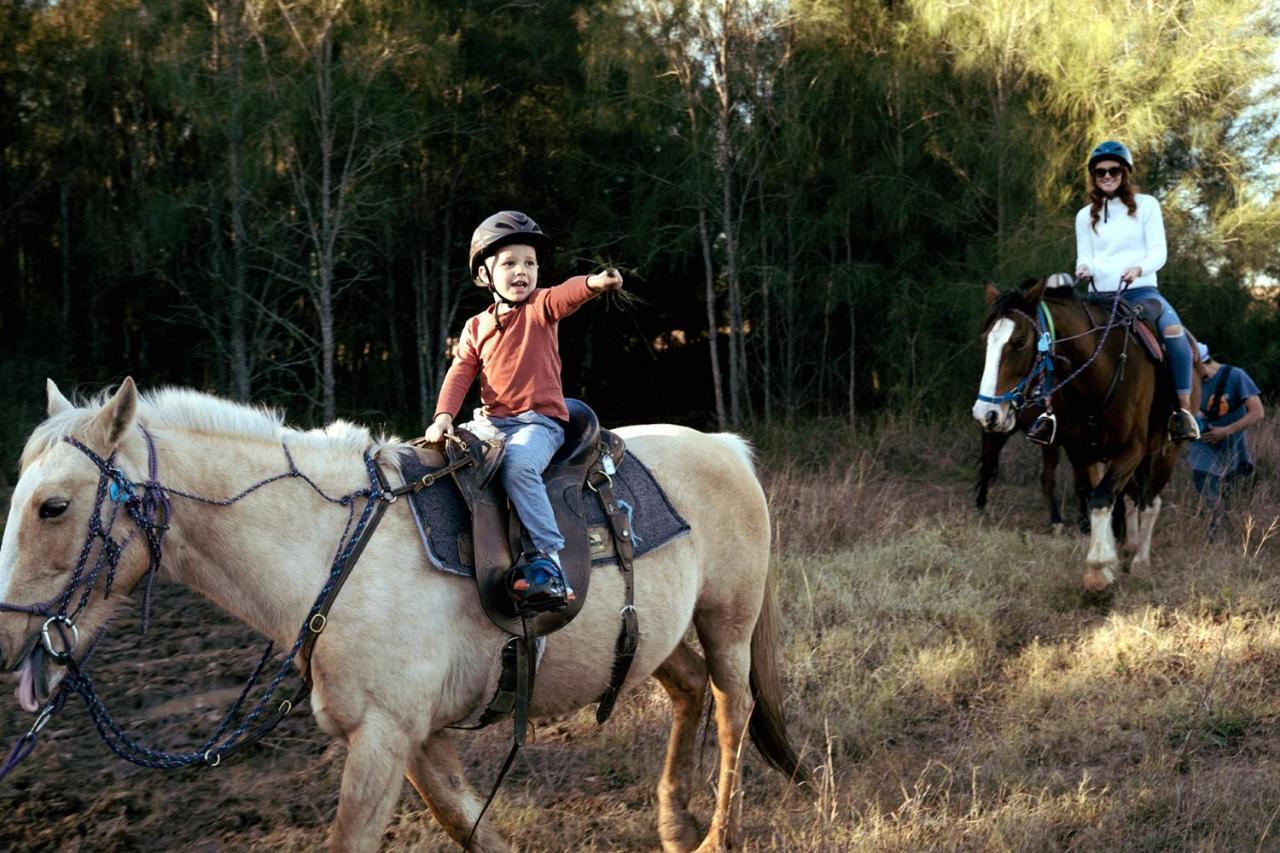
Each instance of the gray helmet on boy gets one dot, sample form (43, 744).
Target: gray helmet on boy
(503, 229)
(1111, 150)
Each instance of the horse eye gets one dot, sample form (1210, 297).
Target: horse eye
(53, 508)
(1020, 343)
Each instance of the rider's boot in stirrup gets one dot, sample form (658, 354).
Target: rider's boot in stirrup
(538, 585)
(1183, 426)
(1043, 429)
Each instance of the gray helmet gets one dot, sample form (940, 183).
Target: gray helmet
(1111, 150)
(502, 229)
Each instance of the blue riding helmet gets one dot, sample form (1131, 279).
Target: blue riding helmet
(1111, 150)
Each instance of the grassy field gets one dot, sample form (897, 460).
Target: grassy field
(947, 678)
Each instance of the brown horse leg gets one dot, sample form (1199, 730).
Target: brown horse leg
(371, 784)
(726, 640)
(684, 675)
(1048, 484)
(436, 773)
(989, 464)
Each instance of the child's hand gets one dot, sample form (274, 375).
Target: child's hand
(610, 279)
(440, 427)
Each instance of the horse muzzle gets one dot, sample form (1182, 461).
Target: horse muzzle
(995, 418)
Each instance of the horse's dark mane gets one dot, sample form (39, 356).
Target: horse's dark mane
(1016, 299)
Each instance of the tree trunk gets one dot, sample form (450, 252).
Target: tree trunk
(711, 316)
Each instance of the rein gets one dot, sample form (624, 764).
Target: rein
(144, 509)
(1042, 366)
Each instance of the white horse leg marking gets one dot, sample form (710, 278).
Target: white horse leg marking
(1132, 525)
(1100, 567)
(1149, 516)
(997, 337)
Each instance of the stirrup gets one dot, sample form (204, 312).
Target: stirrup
(538, 586)
(1183, 426)
(1046, 423)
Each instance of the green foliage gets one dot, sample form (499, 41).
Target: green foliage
(862, 167)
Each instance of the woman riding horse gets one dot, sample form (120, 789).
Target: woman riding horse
(1120, 244)
(1046, 345)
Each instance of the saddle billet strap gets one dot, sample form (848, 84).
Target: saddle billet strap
(629, 636)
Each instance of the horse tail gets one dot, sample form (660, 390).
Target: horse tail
(767, 727)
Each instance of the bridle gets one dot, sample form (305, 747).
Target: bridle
(149, 506)
(1039, 378)
(1040, 375)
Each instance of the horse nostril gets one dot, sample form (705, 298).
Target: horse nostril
(991, 419)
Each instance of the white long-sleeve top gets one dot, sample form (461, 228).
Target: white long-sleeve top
(1122, 241)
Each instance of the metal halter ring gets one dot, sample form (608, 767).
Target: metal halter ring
(317, 623)
(64, 655)
(217, 759)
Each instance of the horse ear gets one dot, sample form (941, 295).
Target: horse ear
(57, 403)
(990, 292)
(115, 417)
(1035, 291)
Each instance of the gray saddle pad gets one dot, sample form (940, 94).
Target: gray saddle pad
(444, 522)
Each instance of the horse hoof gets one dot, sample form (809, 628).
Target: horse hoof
(1097, 579)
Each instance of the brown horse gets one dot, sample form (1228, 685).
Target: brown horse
(1112, 403)
(405, 650)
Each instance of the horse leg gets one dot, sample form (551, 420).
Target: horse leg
(726, 638)
(1159, 472)
(435, 771)
(371, 784)
(1102, 560)
(684, 675)
(989, 464)
(1048, 484)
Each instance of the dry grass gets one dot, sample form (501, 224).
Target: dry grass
(948, 681)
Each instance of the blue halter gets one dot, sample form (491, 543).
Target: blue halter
(1041, 368)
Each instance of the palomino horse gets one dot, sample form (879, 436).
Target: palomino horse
(407, 649)
(1111, 401)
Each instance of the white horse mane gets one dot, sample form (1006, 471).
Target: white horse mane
(187, 408)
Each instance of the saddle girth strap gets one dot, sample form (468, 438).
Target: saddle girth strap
(629, 636)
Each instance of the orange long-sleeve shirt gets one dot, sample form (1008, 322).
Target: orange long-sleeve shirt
(519, 363)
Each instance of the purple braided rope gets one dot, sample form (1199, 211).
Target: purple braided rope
(142, 510)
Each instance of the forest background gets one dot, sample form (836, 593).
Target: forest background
(272, 200)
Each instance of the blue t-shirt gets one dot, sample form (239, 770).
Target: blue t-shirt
(1226, 456)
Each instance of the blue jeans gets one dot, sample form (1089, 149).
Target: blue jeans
(532, 439)
(1178, 345)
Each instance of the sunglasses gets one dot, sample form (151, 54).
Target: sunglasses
(1109, 172)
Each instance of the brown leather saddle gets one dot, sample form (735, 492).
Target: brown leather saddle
(1139, 322)
(585, 461)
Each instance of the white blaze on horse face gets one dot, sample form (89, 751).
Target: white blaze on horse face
(9, 547)
(997, 336)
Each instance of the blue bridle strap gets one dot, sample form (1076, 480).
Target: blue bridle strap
(1041, 368)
